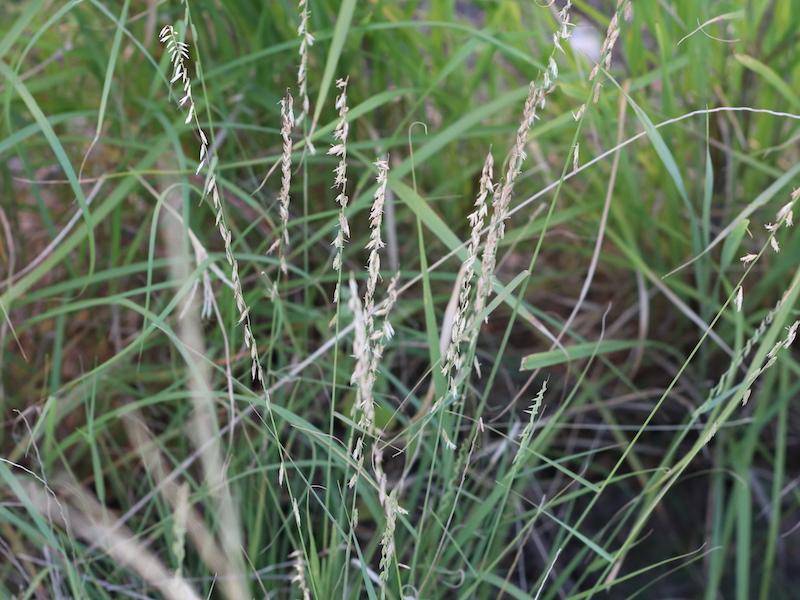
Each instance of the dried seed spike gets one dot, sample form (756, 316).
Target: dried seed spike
(375, 242)
(179, 52)
(453, 357)
(392, 509)
(169, 38)
(503, 191)
(527, 432)
(299, 577)
(339, 149)
(287, 122)
(306, 40)
(748, 258)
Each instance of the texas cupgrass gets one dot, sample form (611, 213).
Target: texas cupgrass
(473, 517)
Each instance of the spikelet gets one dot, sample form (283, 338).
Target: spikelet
(392, 509)
(791, 334)
(527, 432)
(339, 149)
(380, 474)
(381, 336)
(179, 53)
(784, 215)
(784, 218)
(748, 258)
(711, 432)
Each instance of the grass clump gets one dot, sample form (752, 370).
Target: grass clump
(235, 366)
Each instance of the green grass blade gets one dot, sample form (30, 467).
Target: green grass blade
(575, 352)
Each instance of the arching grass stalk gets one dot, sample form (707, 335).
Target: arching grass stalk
(339, 149)
(501, 204)
(368, 345)
(612, 35)
(760, 361)
(179, 54)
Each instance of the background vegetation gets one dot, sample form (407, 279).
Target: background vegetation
(139, 459)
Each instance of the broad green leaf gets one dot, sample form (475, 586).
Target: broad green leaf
(55, 144)
(771, 77)
(550, 358)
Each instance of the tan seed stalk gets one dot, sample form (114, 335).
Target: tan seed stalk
(375, 242)
(306, 41)
(179, 52)
(462, 319)
(625, 8)
(299, 577)
(287, 121)
(501, 201)
(339, 149)
(392, 509)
